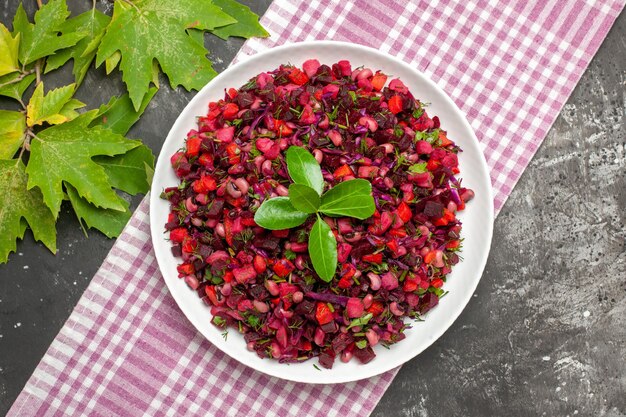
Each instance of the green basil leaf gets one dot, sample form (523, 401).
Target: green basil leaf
(419, 168)
(304, 169)
(304, 198)
(323, 250)
(351, 198)
(278, 214)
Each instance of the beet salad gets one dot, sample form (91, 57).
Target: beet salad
(317, 211)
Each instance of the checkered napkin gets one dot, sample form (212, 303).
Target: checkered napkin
(128, 350)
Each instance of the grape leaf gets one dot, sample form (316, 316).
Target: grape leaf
(351, 198)
(92, 23)
(69, 109)
(12, 127)
(147, 30)
(9, 48)
(118, 115)
(247, 24)
(110, 222)
(196, 35)
(278, 214)
(323, 250)
(111, 62)
(23, 204)
(130, 172)
(55, 107)
(11, 87)
(68, 148)
(42, 38)
(127, 172)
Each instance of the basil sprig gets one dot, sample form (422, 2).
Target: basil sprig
(352, 198)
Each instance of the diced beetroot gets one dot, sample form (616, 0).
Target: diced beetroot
(364, 355)
(262, 79)
(423, 148)
(330, 90)
(244, 274)
(355, 307)
(177, 159)
(424, 179)
(345, 68)
(259, 264)
(226, 134)
(381, 225)
(310, 67)
(343, 251)
(397, 85)
(389, 281)
(264, 144)
(327, 358)
(307, 116)
(217, 256)
(365, 84)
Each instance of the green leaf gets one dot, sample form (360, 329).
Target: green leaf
(12, 127)
(304, 169)
(247, 24)
(23, 204)
(127, 172)
(431, 137)
(361, 344)
(155, 29)
(55, 107)
(149, 169)
(69, 109)
(304, 198)
(323, 250)
(351, 198)
(68, 149)
(92, 24)
(196, 35)
(418, 168)
(111, 62)
(14, 85)
(278, 214)
(119, 115)
(9, 47)
(360, 321)
(42, 38)
(110, 222)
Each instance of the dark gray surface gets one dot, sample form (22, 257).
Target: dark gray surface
(546, 331)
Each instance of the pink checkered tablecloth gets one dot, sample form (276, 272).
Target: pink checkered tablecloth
(128, 350)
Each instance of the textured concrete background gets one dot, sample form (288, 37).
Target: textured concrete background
(545, 333)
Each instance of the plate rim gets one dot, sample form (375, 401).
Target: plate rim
(156, 230)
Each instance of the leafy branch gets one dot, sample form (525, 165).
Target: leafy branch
(352, 198)
(51, 152)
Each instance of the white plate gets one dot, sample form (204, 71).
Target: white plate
(477, 218)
